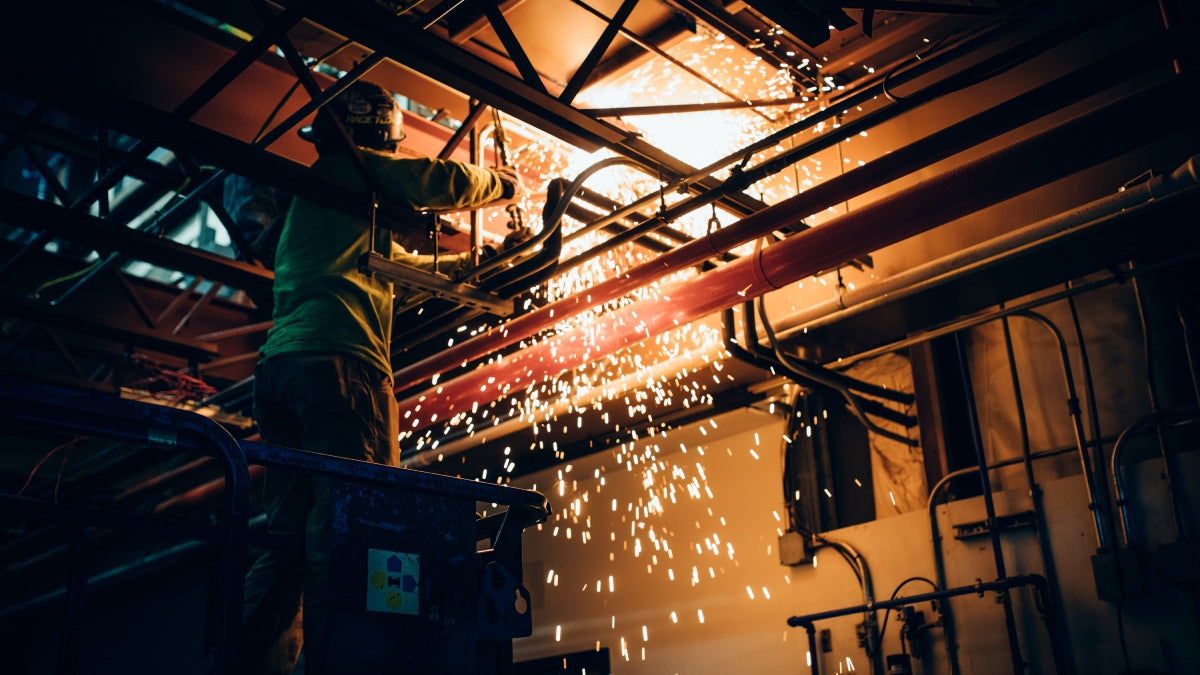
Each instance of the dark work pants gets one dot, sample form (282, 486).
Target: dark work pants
(328, 403)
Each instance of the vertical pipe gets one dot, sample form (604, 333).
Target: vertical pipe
(967, 391)
(1095, 504)
(473, 157)
(1185, 325)
(1035, 490)
(809, 628)
(1119, 450)
(1118, 477)
(939, 566)
(1176, 511)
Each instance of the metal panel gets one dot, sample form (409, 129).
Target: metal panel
(387, 614)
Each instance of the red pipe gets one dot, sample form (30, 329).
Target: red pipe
(1026, 164)
(788, 213)
(203, 496)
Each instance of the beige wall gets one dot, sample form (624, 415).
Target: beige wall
(746, 604)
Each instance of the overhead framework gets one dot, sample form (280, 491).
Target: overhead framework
(153, 103)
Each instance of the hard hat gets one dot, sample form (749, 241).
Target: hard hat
(368, 111)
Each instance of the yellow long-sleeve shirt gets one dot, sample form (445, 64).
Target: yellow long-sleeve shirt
(322, 302)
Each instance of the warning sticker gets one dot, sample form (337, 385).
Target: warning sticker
(392, 581)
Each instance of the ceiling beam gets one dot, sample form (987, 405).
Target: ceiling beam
(477, 78)
(42, 216)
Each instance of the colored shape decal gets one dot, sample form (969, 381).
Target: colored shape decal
(393, 582)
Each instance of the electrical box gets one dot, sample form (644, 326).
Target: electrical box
(793, 549)
(1117, 574)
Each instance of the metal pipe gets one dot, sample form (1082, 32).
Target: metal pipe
(552, 220)
(1035, 490)
(813, 659)
(962, 263)
(1025, 164)
(1089, 476)
(1185, 325)
(801, 367)
(833, 383)
(1035, 160)
(1119, 276)
(1119, 449)
(939, 563)
(979, 587)
(1155, 408)
(989, 505)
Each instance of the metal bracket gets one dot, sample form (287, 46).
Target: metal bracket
(1006, 522)
(436, 285)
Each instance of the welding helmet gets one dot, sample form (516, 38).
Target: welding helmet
(369, 113)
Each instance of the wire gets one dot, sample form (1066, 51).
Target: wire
(887, 613)
(62, 467)
(856, 562)
(1121, 635)
(856, 405)
(66, 277)
(164, 383)
(883, 84)
(45, 457)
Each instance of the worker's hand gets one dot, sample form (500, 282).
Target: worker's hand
(517, 237)
(513, 188)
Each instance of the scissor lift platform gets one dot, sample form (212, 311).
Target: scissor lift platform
(426, 568)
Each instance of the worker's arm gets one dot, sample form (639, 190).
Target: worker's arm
(427, 183)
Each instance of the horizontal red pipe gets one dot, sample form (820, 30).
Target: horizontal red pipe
(1021, 166)
(789, 213)
(203, 496)
(538, 320)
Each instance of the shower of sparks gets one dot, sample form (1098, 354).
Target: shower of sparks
(680, 367)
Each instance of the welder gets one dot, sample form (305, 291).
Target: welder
(323, 382)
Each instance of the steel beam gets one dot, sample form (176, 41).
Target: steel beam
(34, 214)
(440, 60)
(589, 63)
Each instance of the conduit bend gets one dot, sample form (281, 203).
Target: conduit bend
(1029, 163)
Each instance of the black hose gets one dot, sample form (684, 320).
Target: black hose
(855, 403)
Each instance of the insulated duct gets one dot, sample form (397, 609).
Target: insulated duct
(969, 260)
